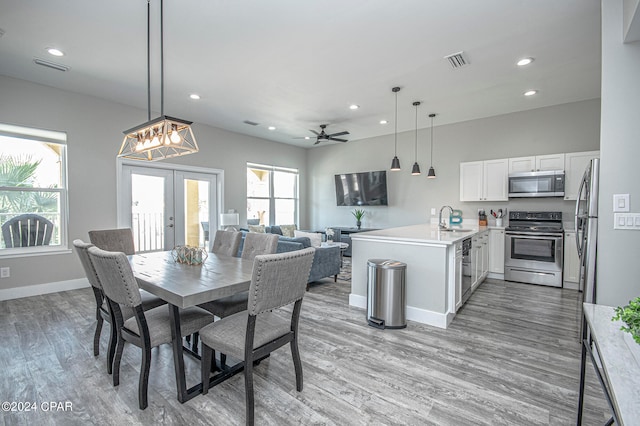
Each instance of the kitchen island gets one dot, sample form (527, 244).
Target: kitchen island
(434, 267)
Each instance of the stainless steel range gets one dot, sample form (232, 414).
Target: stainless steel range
(534, 248)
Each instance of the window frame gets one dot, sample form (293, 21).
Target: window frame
(51, 137)
(272, 198)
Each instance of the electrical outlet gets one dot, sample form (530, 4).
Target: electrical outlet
(433, 211)
(5, 272)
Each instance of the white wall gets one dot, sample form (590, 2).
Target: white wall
(94, 128)
(562, 128)
(618, 266)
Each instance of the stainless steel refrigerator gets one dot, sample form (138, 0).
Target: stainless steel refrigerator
(587, 230)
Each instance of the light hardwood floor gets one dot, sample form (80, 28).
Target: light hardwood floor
(511, 357)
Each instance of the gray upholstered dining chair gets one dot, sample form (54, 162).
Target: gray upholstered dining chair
(145, 330)
(278, 280)
(120, 239)
(149, 301)
(254, 244)
(226, 243)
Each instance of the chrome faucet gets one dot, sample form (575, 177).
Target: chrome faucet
(441, 224)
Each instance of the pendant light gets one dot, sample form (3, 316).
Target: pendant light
(395, 163)
(415, 171)
(432, 171)
(162, 137)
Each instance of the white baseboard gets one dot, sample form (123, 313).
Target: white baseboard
(571, 285)
(357, 301)
(39, 289)
(495, 276)
(413, 314)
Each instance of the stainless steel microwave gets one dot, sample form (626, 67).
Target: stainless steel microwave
(537, 184)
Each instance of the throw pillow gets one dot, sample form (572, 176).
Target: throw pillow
(288, 230)
(316, 239)
(256, 228)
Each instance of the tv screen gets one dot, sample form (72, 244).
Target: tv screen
(362, 189)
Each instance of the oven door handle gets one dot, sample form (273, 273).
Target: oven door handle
(536, 237)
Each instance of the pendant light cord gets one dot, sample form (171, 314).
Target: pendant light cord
(432, 141)
(161, 57)
(395, 134)
(416, 104)
(148, 60)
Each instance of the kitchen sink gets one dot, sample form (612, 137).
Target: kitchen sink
(456, 230)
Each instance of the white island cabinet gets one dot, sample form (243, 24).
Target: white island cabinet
(433, 261)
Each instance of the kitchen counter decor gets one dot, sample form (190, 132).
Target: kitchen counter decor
(189, 255)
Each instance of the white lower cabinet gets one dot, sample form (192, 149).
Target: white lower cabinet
(458, 274)
(479, 258)
(496, 251)
(571, 271)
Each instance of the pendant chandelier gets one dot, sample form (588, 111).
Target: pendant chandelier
(432, 171)
(415, 171)
(395, 163)
(162, 137)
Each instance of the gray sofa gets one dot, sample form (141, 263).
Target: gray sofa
(326, 261)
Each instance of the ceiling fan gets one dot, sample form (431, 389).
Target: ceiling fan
(322, 136)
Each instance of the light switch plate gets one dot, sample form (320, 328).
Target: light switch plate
(628, 221)
(620, 202)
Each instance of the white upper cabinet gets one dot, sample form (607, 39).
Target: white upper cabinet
(536, 163)
(549, 162)
(496, 180)
(575, 164)
(484, 180)
(522, 164)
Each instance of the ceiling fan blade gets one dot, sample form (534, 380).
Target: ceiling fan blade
(314, 132)
(317, 142)
(339, 134)
(338, 140)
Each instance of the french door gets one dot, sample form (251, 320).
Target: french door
(167, 207)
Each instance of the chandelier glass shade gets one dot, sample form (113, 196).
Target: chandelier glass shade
(163, 137)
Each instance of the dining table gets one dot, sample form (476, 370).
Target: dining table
(181, 286)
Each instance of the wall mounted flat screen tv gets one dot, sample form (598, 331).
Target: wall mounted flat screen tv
(362, 189)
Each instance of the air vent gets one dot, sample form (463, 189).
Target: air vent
(250, 123)
(456, 60)
(52, 65)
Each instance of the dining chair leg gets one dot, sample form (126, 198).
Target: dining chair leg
(194, 345)
(116, 361)
(223, 361)
(205, 367)
(297, 364)
(144, 377)
(248, 389)
(96, 336)
(111, 350)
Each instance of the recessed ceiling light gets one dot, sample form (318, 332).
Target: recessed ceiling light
(194, 96)
(354, 106)
(524, 61)
(530, 92)
(307, 137)
(383, 121)
(55, 52)
(271, 128)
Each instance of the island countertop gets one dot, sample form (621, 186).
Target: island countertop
(424, 233)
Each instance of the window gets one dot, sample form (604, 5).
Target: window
(272, 195)
(33, 190)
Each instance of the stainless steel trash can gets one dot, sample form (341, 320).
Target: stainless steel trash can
(386, 293)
